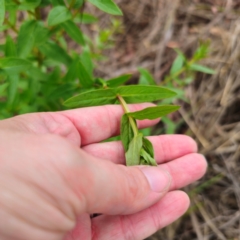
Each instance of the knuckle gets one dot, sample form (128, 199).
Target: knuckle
(137, 187)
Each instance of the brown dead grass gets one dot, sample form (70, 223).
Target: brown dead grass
(212, 117)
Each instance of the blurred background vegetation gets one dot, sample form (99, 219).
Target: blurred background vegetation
(192, 47)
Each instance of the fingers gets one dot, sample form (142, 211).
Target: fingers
(79, 126)
(142, 224)
(185, 169)
(113, 189)
(107, 188)
(166, 148)
(96, 124)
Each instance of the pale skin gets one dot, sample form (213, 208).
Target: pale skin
(54, 173)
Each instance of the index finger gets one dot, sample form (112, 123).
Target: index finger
(96, 124)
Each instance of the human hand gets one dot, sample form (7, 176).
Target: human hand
(54, 173)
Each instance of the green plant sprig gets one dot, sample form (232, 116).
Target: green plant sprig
(138, 149)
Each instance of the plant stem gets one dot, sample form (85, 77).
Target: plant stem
(126, 110)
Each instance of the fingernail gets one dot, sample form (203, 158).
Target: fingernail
(159, 179)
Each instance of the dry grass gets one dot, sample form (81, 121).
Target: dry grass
(212, 117)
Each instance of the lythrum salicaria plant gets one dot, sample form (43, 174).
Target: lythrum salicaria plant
(138, 149)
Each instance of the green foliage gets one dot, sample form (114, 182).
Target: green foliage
(145, 77)
(58, 14)
(127, 133)
(39, 71)
(107, 6)
(153, 112)
(181, 74)
(2, 11)
(134, 150)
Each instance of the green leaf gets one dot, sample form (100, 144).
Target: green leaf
(10, 5)
(177, 64)
(25, 39)
(200, 68)
(3, 88)
(86, 60)
(40, 34)
(2, 11)
(12, 88)
(13, 18)
(10, 48)
(126, 132)
(14, 65)
(153, 112)
(146, 78)
(55, 52)
(57, 15)
(131, 94)
(84, 77)
(36, 73)
(92, 98)
(146, 158)
(148, 147)
(85, 18)
(142, 93)
(107, 6)
(28, 4)
(133, 153)
(57, 2)
(115, 82)
(71, 74)
(74, 32)
(61, 91)
(45, 3)
(202, 51)
(77, 3)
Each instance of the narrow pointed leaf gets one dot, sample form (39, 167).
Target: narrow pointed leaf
(40, 34)
(86, 60)
(148, 147)
(153, 112)
(126, 132)
(139, 93)
(53, 51)
(146, 158)
(12, 88)
(3, 88)
(10, 47)
(177, 64)
(86, 19)
(133, 153)
(57, 2)
(14, 65)
(92, 98)
(25, 39)
(200, 68)
(58, 14)
(115, 82)
(28, 4)
(2, 11)
(77, 4)
(74, 32)
(84, 77)
(146, 78)
(107, 6)
(71, 74)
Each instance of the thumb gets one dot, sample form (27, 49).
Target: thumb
(107, 188)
